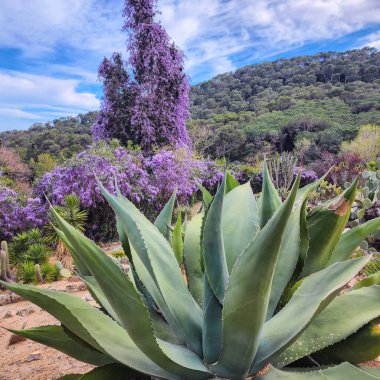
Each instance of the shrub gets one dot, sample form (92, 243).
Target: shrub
(17, 214)
(141, 179)
(366, 145)
(29, 246)
(223, 320)
(50, 272)
(27, 273)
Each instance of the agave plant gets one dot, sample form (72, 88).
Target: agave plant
(227, 318)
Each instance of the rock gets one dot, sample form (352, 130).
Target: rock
(14, 339)
(26, 311)
(74, 279)
(8, 314)
(70, 288)
(15, 298)
(65, 273)
(4, 299)
(36, 355)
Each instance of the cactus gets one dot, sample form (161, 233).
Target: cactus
(228, 317)
(5, 270)
(37, 270)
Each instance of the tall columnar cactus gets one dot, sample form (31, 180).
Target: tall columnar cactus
(5, 270)
(225, 319)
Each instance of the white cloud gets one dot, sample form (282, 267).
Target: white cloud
(40, 26)
(16, 87)
(372, 40)
(26, 98)
(220, 29)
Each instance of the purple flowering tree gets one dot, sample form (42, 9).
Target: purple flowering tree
(147, 181)
(146, 99)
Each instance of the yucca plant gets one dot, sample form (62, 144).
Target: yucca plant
(31, 245)
(223, 320)
(71, 212)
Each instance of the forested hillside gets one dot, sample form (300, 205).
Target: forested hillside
(321, 99)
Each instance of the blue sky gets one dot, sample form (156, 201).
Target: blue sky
(50, 49)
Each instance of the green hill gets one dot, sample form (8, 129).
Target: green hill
(324, 98)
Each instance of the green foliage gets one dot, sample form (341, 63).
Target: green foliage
(61, 139)
(27, 273)
(50, 272)
(71, 212)
(118, 253)
(29, 246)
(45, 163)
(366, 144)
(223, 325)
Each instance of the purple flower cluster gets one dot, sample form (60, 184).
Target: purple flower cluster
(16, 216)
(180, 170)
(307, 176)
(146, 99)
(148, 181)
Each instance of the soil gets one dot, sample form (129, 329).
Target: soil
(27, 359)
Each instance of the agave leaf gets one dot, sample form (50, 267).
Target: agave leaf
(164, 219)
(114, 372)
(80, 264)
(92, 326)
(185, 223)
(124, 241)
(239, 221)
(350, 240)
(177, 241)
(192, 255)
(123, 297)
(122, 235)
(101, 299)
(360, 347)
(343, 371)
(326, 224)
(308, 298)
(213, 246)
(212, 325)
(336, 322)
(373, 279)
(61, 339)
(207, 197)
(296, 242)
(91, 283)
(269, 200)
(183, 356)
(370, 370)
(252, 274)
(157, 257)
(231, 182)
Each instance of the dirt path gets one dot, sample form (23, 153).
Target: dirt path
(28, 360)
